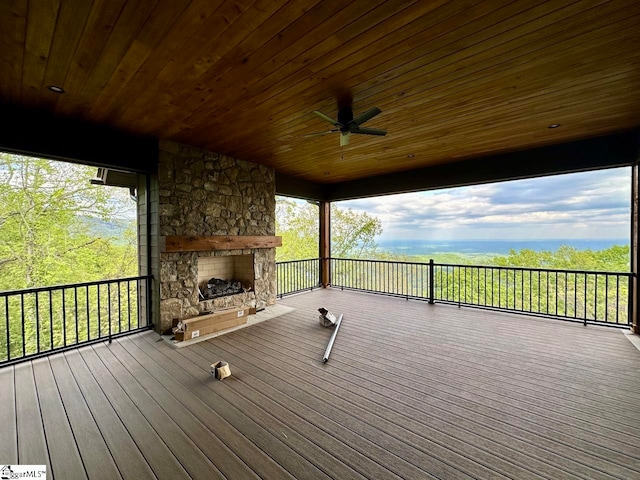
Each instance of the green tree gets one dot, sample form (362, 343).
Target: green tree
(48, 217)
(297, 224)
(46, 212)
(613, 259)
(353, 234)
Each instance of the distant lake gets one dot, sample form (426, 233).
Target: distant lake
(497, 247)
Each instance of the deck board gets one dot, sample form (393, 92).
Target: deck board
(255, 458)
(294, 437)
(32, 446)
(368, 424)
(322, 440)
(210, 445)
(63, 451)
(365, 370)
(162, 460)
(387, 414)
(276, 391)
(411, 391)
(9, 443)
(431, 369)
(92, 447)
(125, 453)
(245, 421)
(191, 458)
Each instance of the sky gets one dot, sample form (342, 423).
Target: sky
(589, 205)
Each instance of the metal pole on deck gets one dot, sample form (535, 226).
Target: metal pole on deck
(327, 352)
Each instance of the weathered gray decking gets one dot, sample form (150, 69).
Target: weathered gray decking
(411, 391)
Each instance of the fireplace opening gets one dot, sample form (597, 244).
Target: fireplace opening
(220, 276)
(218, 287)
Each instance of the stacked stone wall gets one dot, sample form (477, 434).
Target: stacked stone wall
(203, 193)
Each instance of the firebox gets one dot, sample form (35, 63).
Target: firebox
(220, 276)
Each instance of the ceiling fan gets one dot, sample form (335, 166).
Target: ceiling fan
(347, 124)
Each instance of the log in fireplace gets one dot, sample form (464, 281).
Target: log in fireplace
(219, 276)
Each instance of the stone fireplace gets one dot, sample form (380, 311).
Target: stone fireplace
(206, 199)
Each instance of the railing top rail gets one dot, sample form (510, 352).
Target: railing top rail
(7, 293)
(379, 261)
(298, 261)
(535, 269)
(498, 267)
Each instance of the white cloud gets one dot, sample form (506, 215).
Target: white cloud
(581, 205)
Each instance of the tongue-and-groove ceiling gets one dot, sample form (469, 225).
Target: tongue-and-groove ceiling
(454, 79)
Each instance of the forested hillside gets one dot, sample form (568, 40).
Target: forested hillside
(55, 227)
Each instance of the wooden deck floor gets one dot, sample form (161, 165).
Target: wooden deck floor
(411, 391)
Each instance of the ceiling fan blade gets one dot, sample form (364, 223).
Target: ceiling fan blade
(319, 134)
(344, 138)
(327, 118)
(363, 117)
(369, 131)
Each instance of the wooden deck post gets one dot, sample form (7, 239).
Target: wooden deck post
(634, 297)
(325, 243)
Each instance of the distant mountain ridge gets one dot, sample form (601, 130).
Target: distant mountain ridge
(107, 229)
(494, 247)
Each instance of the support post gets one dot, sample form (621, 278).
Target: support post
(634, 297)
(325, 243)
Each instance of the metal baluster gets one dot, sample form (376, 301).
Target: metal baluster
(109, 308)
(24, 347)
(585, 299)
(499, 288)
(606, 298)
(530, 290)
(484, 269)
(547, 277)
(575, 295)
(129, 304)
(50, 321)
(539, 293)
(522, 290)
(37, 323)
(465, 284)
(595, 299)
(556, 292)
(6, 319)
(119, 308)
(64, 319)
(99, 313)
(88, 312)
(515, 289)
(492, 289)
(617, 297)
(566, 300)
(147, 303)
(629, 299)
(75, 306)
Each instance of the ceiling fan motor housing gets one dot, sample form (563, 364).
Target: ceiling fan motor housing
(345, 115)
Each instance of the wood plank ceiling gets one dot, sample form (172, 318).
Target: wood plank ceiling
(454, 79)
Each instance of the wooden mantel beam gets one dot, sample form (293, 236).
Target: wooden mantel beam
(203, 243)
